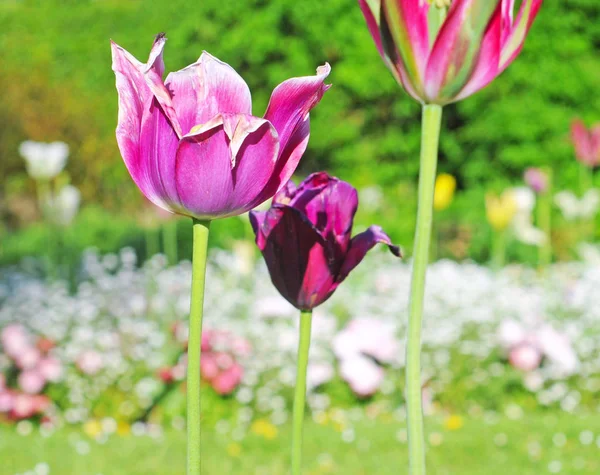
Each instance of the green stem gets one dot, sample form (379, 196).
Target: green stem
(430, 134)
(300, 394)
(585, 178)
(170, 241)
(200, 230)
(499, 249)
(545, 221)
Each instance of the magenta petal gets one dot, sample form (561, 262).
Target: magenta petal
(513, 42)
(222, 167)
(455, 49)
(206, 88)
(487, 66)
(371, 14)
(330, 205)
(360, 245)
(296, 256)
(158, 149)
(286, 194)
(138, 118)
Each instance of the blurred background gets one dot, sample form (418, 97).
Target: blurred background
(94, 281)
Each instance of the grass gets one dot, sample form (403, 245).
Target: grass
(533, 444)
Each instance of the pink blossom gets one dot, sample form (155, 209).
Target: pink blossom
(28, 358)
(15, 340)
(363, 375)
(227, 381)
(525, 357)
(31, 381)
(50, 368)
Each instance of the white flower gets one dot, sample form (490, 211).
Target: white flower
(44, 160)
(63, 207)
(522, 222)
(573, 208)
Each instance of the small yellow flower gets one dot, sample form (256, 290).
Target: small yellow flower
(123, 428)
(234, 450)
(264, 428)
(445, 185)
(92, 428)
(500, 210)
(454, 422)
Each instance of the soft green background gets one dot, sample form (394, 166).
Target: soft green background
(57, 83)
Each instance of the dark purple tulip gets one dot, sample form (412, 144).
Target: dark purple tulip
(305, 238)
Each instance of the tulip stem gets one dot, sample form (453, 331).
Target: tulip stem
(200, 230)
(430, 134)
(300, 394)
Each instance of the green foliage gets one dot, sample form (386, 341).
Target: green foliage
(57, 84)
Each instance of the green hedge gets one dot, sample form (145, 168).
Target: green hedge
(57, 84)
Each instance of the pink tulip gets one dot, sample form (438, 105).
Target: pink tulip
(525, 357)
(191, 143)
(442, 54)
(90, 362)
(31, 381)
(586, 142)
(227, 381)
(50, 368)
(536, 179)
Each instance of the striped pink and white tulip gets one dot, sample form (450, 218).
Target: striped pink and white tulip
(442, 51)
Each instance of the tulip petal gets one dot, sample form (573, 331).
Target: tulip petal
(206, 88)
(142, 125)
(456, 48)
(405, 38)
(220, 167)
(330, 205)
(513, 43)
(487, 66)
(288, 111)
(371, 10)
(303, 277)
(286, 194)
(360, 245)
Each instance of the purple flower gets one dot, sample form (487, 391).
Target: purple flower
(191, 143)
(305, 238)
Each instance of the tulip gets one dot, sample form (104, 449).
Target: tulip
(536, 179)
(443, 51)
(440, 51)
(44, 161)
(500, 210)
(63, 207)
(193, 147)
(305, 239)
(31, 381)
(586, 142)
(445, 185)
(191, 143)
